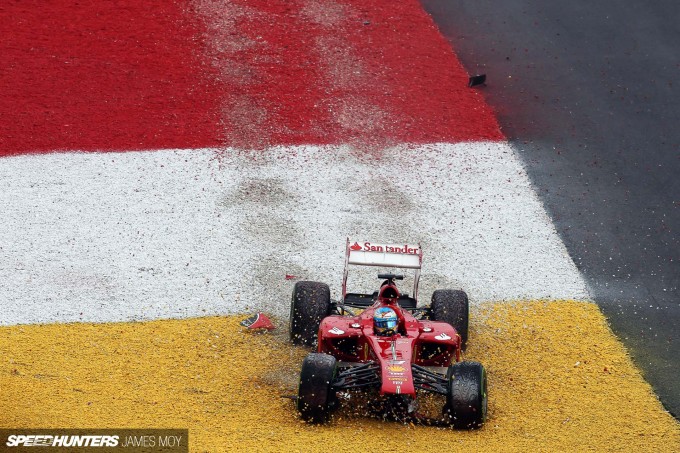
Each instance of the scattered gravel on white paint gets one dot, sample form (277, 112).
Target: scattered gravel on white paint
(182, 233)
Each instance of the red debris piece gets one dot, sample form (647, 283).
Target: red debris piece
(258, 321)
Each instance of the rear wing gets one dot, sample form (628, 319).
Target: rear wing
(384, 255)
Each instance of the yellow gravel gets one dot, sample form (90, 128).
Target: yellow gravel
(558, 381)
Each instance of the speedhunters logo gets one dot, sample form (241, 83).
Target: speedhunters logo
(132, 440)
(45, 440)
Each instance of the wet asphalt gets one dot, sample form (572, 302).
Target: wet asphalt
(589, 94)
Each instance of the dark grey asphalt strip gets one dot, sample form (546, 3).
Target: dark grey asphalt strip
(588, 94)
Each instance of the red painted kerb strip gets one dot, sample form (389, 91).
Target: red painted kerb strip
(94, 76)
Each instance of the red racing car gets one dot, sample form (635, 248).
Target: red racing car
(392, 347)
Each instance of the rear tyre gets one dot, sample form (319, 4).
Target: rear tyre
(451, 306)
(316, 397)
(466, 400)
(310, 303)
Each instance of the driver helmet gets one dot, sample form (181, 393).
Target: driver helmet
(385, 321)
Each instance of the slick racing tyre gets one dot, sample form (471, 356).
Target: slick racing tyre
(466, 399)
(451, 306)
(310, 303)
(316, 397)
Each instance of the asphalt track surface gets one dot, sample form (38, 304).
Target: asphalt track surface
(588, 94)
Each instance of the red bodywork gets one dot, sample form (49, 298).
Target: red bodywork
(420, 342)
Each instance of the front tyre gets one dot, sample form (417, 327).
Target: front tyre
(452, 307)
(316, 397)
(310, 303)
(466, 400)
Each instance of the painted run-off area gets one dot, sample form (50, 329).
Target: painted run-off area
(172, 234)
(558, 381)
(136, 75)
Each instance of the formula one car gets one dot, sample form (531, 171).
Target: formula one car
(393, 347)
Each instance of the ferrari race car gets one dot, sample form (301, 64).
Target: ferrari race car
(385, 343)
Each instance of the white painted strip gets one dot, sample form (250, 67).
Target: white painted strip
(180, 233)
